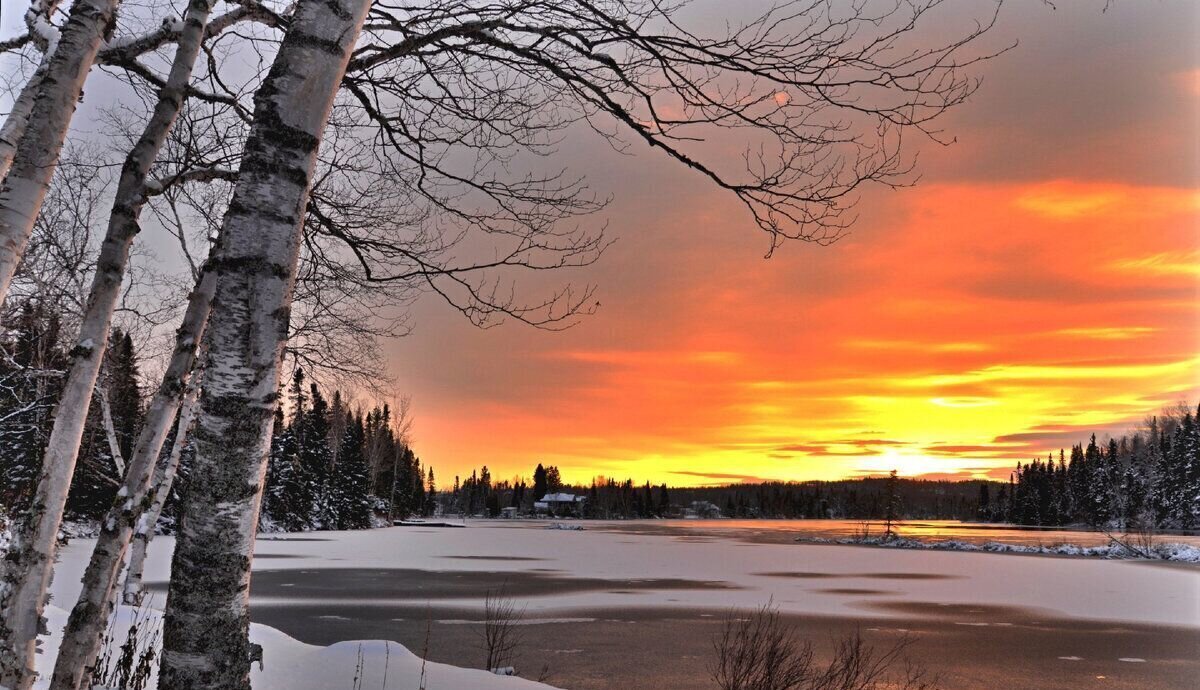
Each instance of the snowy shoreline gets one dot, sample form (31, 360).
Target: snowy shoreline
(289, 664)
(1169, 552)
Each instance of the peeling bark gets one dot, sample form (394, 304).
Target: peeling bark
(81, 638)
(29, 561)
(38, 149)
(206, 623)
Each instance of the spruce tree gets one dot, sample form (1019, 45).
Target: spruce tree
(431, 494)
(294, 487)
(316, 459)
(540, 485)
(30, 381)
(351, 504)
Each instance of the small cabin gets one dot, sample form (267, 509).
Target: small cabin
(560, 504)
(702, 510)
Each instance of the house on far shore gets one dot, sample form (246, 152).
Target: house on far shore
(701, 510)
(560, 504)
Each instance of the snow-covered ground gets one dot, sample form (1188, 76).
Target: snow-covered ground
(717, 573)
(292, 665)
(1167, 551)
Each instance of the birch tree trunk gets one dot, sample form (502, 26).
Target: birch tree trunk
(18, 118)
(164, 478)
(110, 432)
(37, 18)
(30, 558)
(81, 638)
(37, 151)
(206, 623)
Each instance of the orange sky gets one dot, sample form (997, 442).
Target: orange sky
(1040, 283)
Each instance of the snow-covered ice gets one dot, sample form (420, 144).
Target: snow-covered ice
(726, 573)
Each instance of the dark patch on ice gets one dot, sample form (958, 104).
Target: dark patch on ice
(909, 576)
(293, 539)
(855, 591)
(801, 575)
(496, 558)
(277, 555)
(963, 614)
(401, 584)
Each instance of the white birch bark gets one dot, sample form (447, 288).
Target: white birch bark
(18, 118)
(29, 562)
(206, 622)
(110, 432)
(45, 36)
(164, 478)
(37, 150)
(81, 638)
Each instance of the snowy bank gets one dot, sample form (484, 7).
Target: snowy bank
(292, 665)
(1182, 553)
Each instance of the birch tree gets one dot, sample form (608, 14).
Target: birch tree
(205, 643)
(35, 156)
(31, 557)
(45, 35)
(84, 632)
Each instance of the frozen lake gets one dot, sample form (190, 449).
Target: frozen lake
(635, 604)
(783, 531)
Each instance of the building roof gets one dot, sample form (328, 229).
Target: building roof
(562, 498)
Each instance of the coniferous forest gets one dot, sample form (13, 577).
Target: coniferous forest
(332, 465)
(1146, 479)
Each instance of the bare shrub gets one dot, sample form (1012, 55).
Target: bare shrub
(425, 646)
(1137, 539)
(760, 651)
(501, 634)
(130, 666)
(862, 532)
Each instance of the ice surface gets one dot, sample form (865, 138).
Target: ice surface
(801, 578)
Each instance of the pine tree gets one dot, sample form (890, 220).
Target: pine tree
(891, 502)
(124, 394)
(431, 496)
(985, 502)
(540, 486)
(351, 504)
(30, 381)
(316, 459)
(291, 487)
